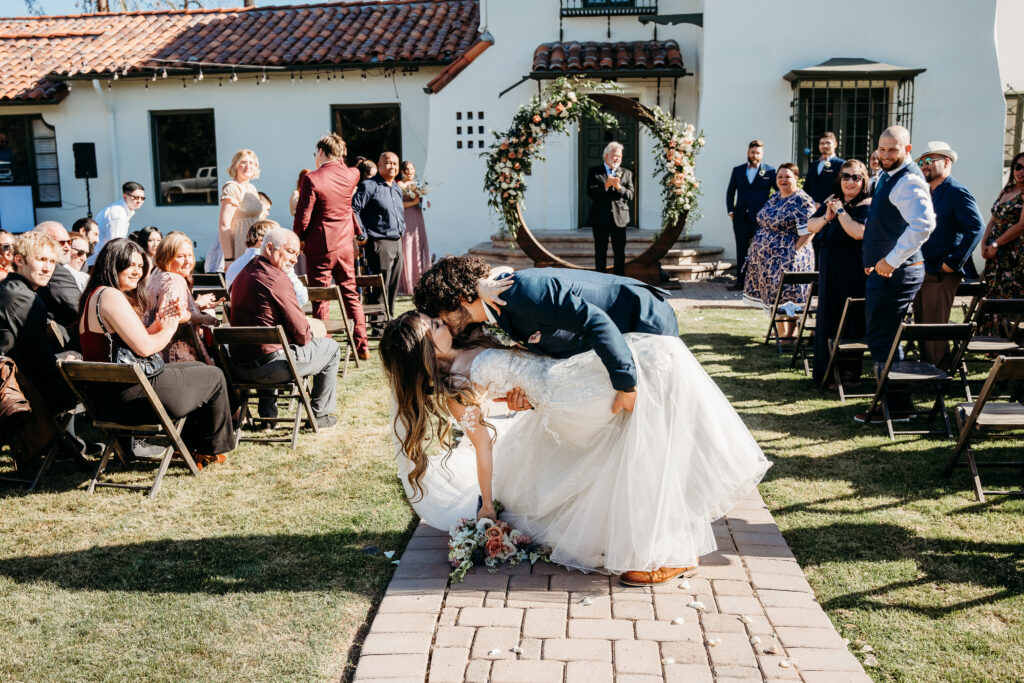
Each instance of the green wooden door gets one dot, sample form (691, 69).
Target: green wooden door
(593, 138)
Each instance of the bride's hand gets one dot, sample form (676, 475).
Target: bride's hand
(489, 289)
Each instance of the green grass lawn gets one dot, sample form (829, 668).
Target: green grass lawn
(900, 556)
(256, 570)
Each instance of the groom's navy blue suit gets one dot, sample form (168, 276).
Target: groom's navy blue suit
(559, 312)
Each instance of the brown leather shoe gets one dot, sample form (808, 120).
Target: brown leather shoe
(657, 576)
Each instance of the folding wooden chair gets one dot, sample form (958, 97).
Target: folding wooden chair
(335, 327)
(209, 280)
(61, 422)
(987, 419)
(808, 319)
(975, 290)
(986, 346)
(80, 373)
(218, 293)
(380, 311)
(295, 387)
(853, 311)
(776, 316)
(918, 376)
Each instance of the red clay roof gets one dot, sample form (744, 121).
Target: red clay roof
(592, 56)
(351, 33)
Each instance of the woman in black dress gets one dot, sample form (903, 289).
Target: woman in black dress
(840, 219)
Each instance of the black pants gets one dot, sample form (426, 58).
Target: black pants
(385, 257)
(743, 229)
(193, 389)
(618, 237)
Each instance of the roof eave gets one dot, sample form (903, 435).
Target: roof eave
(851, 74)
(611, 73)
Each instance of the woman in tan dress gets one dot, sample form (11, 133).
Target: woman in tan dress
(240, 206)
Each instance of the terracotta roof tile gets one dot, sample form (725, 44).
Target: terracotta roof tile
(34, 48)
(571, 57)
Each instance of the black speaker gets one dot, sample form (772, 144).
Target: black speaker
(85, 159)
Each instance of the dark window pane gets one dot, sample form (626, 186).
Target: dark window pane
(458, 116)
(185, 157)
(458, 144)
(458, 130)
(369, 130)
(30, 157)
(471, 144)
(469, 115)
(480, 115)
(480, 130)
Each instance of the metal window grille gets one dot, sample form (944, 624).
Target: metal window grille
(857, 111)
(601, 8)
(1012, 142)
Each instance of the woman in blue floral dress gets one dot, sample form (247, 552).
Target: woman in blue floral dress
(781, 244)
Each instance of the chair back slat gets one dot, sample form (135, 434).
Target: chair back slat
(208, 280)
(999, 307)
(87, 371)
(250, 336)
(972, 289)
(953, 332)
(1008, 368)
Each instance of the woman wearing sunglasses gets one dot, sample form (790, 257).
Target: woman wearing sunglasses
(6, 253)
(840, 219)
(1002, 247)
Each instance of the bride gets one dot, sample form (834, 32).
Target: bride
(624, 493)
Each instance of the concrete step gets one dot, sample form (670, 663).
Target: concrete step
(574, 252)
(691, 272)
(552, 239)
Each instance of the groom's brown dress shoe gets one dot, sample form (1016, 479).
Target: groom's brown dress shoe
(657, 576)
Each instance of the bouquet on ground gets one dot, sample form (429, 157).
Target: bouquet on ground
(414, 190)
(492, 543)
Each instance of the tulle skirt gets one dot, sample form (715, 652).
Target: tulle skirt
(611, 493)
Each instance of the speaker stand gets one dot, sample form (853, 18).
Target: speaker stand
(88, 200)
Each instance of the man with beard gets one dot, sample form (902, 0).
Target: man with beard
(958, 229)
(749, 187)
(899, 222)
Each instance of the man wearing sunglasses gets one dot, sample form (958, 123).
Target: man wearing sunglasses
(114, 220)
(958, 229)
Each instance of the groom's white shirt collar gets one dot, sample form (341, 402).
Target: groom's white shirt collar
(491, 320)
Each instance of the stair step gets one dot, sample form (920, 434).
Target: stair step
(487, 249)
(689, 272)
(552, 238)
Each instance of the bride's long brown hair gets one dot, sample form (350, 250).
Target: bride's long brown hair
(422, 391)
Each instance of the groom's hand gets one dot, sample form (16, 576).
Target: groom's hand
(516, 399)
(624, 400)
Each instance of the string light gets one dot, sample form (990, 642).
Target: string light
(234, 76)
(154, 77)
(200, 77)
(163, 73)
(115, 75)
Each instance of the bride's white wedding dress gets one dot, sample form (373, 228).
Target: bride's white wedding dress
(610, 493)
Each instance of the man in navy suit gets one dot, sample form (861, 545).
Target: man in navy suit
(553, 311)
(958, 229)
(610, 187)
(823, 173)
(749, 187)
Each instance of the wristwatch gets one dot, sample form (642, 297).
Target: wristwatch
(840, 211)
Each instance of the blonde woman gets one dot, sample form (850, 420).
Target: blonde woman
(240, 207)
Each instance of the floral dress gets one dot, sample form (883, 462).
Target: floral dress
(1004, 274)
(161, 287)
(773, 250)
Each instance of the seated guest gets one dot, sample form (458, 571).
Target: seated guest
(778, 246)
(263, 296)
(88, 229)
(149, 239)
(253, 244)
(113, 304)
(172, 282)
(6, 253)
(23, 318)
(840, 222)
(61, 293)
(79, 255)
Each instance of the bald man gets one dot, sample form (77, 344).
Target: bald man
(61, 295)
(378, 203)
(900, 220)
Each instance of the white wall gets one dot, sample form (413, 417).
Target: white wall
(1009, 19)
(749, 46)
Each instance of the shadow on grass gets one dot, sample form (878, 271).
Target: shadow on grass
(220, 565)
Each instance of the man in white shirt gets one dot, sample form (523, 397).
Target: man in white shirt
(113, 221)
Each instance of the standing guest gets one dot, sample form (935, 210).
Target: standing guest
(87, 228)
(840, 221)
(114, 221)
(1002, 245)
(610, 188)
(254, 243)
(378, 204)
(79, 255)
(958, 228)
(823, 174)
(415, 250)
(61, 293)
(171, 281)
(778, 246)
(149, 239)
(326, 223)
(262, 296)
(6, 253)
(749, 187)
(293, 201)
(113, 304)
(240, 207)
(874, 168)
(900, 220)
(367, 169)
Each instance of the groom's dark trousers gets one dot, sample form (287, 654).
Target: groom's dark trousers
(559, 312)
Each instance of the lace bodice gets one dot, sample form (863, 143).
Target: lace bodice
(498, 370)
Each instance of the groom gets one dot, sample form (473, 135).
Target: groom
(560, 313)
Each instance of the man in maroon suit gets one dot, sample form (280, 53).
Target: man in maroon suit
(325, 223)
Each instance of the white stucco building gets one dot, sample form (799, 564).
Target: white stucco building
(418, 76)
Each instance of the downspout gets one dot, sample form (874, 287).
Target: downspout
(112, 132)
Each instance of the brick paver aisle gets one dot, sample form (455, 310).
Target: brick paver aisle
(759, 621)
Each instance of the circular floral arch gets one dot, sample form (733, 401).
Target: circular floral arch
(562, 104)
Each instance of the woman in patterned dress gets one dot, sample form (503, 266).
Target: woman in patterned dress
(1003, 247)
(240, 207)
(780, 245)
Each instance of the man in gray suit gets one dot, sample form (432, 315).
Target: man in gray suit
(610, 187)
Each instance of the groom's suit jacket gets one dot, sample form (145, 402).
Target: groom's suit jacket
(559, 312)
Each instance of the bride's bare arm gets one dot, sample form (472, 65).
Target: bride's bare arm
(468, 418)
